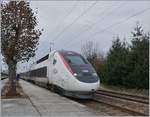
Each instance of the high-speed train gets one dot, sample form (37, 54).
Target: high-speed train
(68, 73)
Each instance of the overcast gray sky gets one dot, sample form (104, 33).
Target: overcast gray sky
(69, 24)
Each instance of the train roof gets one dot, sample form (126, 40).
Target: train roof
(66, 52)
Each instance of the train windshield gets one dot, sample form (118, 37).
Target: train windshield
(75, 60)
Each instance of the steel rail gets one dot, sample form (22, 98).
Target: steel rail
(98, 100)
(132, 95)
(135, 98)
(121, 108)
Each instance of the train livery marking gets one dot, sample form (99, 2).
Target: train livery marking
(69, 72)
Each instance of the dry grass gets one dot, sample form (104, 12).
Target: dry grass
(143, 92)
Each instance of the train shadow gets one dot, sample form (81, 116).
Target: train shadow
(83, 101)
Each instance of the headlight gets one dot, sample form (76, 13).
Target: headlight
(94, 74)
(75, 74)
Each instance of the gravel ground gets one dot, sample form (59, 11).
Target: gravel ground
(103, 109)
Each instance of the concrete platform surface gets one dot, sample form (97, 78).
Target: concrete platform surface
(42, 102)
(17, 107)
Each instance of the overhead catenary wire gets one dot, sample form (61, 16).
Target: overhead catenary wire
(118, 23)
(114, 24)
(74, 21)
(67, 15)
(98, 21)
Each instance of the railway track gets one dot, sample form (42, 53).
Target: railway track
(123, 103)
(135, 98)
(103, 109)
(137, 105)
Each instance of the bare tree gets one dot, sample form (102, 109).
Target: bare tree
(89, 49)
(19, 37)
(94, 56)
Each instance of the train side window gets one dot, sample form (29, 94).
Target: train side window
(54, 61)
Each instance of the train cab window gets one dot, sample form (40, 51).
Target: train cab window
(54, 61)
(75, 59)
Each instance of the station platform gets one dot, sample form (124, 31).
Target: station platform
(42, 102)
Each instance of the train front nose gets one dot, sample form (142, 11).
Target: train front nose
(85, 88)
(87, 79)
(83, 74)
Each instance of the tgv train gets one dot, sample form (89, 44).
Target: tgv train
(66, 72)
